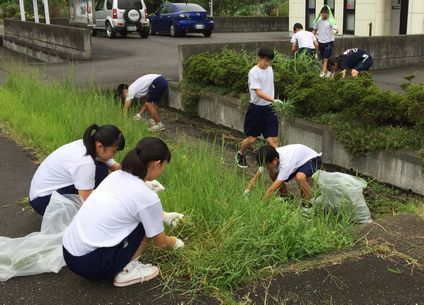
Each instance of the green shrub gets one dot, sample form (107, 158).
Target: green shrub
(414, 104)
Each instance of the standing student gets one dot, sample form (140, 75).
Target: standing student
(295, 161)
(261, 117)
(325, 28)
(151, 87)
(355, 59)
(77, 167)
(110, 231)
(303, 41)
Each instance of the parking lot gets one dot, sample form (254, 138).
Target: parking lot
(125, 59)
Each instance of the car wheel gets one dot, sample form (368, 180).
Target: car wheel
(173, 31)
(144, 33)
(110, 32)
(207, 33)
(123, 33)
(93, 32)
(151, 31)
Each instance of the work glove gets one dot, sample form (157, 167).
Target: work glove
(246, 193)
(172, 219)
(277, 101)
(155, 186)
(178, 244)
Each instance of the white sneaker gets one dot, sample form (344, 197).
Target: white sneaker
(151, 122)
(135, 272)
(157, 127)
(322, 75)
(328, 75)
(137, 117)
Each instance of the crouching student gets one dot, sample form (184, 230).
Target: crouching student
(285, 163)
(355, 59)
(151, 87)
(77, 167)
(303, 41)
(111, 230)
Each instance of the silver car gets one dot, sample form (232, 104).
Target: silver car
(120, 16)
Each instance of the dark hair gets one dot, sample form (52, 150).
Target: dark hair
(120, 91)
(266, 154)
(108, 135)
(147, 150)
(333, 61)
(266, 53)
(297, 26)
(324, 9)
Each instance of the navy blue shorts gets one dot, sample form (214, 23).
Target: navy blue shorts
(326, 49)
(364, 65)
(156, 90)
(309, 168)
(308, 51)
(105, 263)
(40, 204)
(260, 120)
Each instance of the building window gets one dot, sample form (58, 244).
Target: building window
(349, 17)
(310, 14)
(331, 5)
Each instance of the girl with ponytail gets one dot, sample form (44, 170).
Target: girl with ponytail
(111, 230)
(77, 167)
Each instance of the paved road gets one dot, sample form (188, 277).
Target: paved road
(125, 59)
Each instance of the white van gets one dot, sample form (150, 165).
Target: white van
(120, 16)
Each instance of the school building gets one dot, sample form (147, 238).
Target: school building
(364, 17)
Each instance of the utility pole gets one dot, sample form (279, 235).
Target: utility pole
(46, 11)
(22, 9)
(35, 5)
(211, 7)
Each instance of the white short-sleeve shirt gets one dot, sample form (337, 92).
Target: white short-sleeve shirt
(304, 39)
(140, 87)
(325, 31)
(67, 165)
(112, 212)
(292, 157)
(261, 79)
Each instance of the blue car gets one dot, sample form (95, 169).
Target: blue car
(178, 19)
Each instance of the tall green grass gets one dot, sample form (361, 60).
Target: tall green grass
(229, 239)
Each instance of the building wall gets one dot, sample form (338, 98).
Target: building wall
(297, 13)
(416, 17)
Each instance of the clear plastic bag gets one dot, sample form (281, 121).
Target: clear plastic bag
(337, 190)
(40, 252)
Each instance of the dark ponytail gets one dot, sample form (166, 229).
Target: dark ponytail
(147, 150)
(108, 135)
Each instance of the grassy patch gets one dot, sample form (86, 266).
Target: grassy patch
(230, 240)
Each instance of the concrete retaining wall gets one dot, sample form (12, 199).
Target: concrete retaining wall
(250, 24)
(49, 43)
(402, 169)
(387, 51)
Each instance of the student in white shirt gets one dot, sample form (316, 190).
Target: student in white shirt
(111, 230)
(77, 167)
(303, 41)
(325, 29)
(261, 118)
(285, 163)
(151, 87)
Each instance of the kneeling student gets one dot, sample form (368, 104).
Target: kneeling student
(111, 230)
(356, 59)
(151, 87)
(285, 163)
(77, 167)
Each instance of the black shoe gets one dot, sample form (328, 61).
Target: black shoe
(241, 160)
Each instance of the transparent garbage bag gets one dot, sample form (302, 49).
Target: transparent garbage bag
(337, 190)
(40, 252)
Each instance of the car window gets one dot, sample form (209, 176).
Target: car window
(100, 5)
(124, 4)
(163, 9)
(189, 7)
(109, 4)
(170, 9)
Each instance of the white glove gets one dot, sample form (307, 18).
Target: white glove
(178, 244)
(155, 186)
(246, 193)
(277, 101)
(261, 169)
(172, 219)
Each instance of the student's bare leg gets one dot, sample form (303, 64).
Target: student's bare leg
(273, 141)
(152, 110)
(354, 72)
(127, 105)
(246, 143)
(283, 189)
(324, 65)
(140, 249)
(142, 109)
(304, 186)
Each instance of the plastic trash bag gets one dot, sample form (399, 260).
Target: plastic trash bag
(337, 190)
(40, 252)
